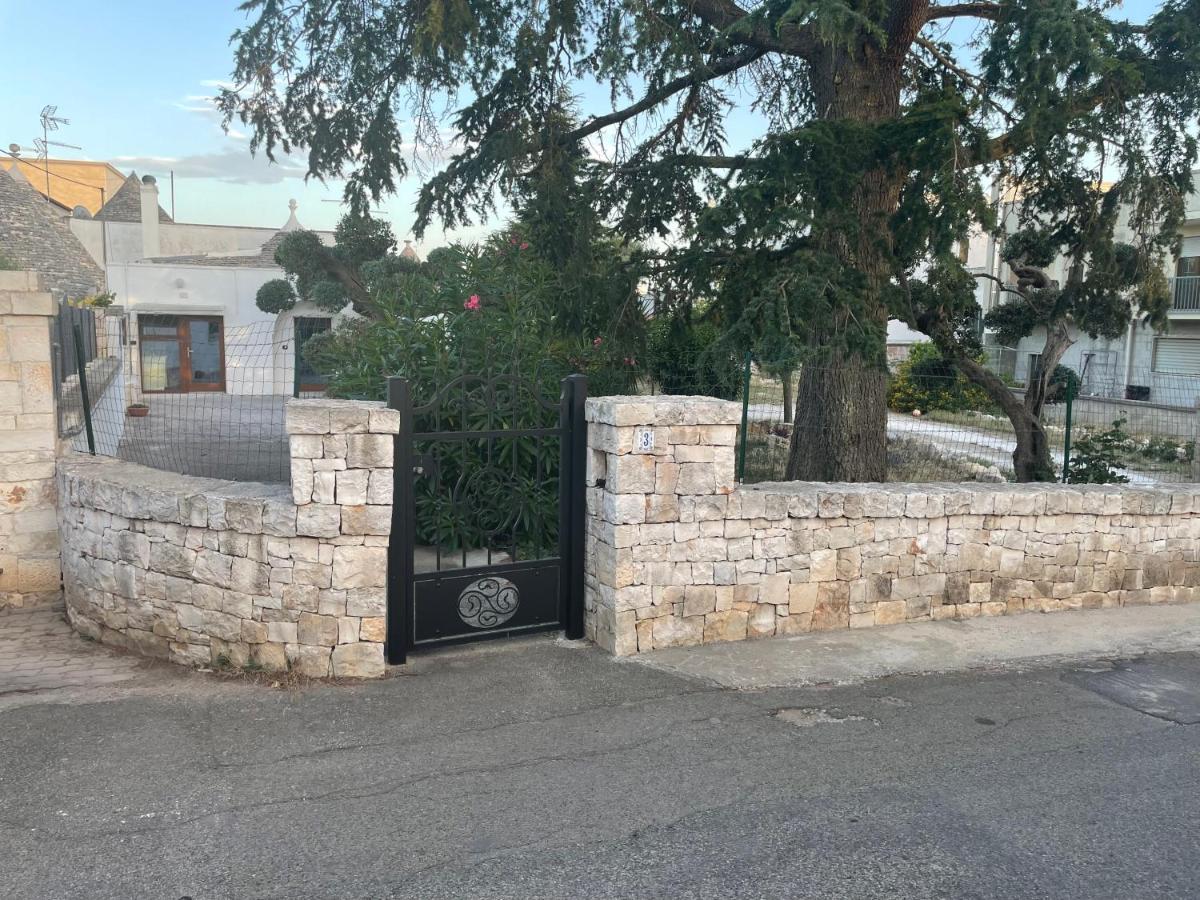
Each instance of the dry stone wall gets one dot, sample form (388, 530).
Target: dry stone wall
(206, 572)
(29, 559)
(678, 554)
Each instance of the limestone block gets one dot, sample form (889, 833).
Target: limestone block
(361, 660)
(368, 451)
(352, 486)
(250, 577)
(279, 518)
(319, 520)
(349, 419)
(726, 625)
(306, 446)
(302, 480)
(366, 601)
(359, 567)
(372, 628)
(220, 625)
(366, 519)
(269, 657)
(379, 488)
(631, 474)
(306, 417)
(244, 515)
(890, 612)
(133, 548)
(317, 630)
(213, 568)
(698, 600)
(312, 661)
(622, 509)
(761, 621)
(384, 421)
(673, 631)
(695, 478)
(172, 560)
(324, 487)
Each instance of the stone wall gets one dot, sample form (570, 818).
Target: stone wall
(678, 554)
(207, 572)
(29, 559)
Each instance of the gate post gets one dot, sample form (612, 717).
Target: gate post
(400, 543)
(573, 502)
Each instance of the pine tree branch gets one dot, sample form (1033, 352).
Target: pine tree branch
(978, 10)
(739, 26)
(717, 69)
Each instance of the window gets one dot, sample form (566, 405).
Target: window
(1188, 267)
(1176, 356)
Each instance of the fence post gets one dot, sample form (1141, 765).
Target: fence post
(1196, 445)
(741, 457)
(400, 543)
(81, 365)
(1067, 430)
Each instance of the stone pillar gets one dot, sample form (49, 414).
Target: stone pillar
(342, 486)
(29, 546)
(660, 470)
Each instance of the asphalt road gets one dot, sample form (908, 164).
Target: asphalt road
(535, 769)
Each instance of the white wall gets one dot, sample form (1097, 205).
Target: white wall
(259, 347)
(120, 242)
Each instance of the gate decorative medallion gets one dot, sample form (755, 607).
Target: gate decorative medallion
(487, 520)
(488, 602)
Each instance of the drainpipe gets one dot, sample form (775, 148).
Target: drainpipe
(1130, 343)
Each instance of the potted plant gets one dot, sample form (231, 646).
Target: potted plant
(137, 410)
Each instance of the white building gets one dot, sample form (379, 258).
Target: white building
(1142, 364)
(189, 293)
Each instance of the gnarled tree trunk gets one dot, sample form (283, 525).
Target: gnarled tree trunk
(840, 428)
(1031, 458)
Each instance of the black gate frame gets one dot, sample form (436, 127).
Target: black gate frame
(402, 579)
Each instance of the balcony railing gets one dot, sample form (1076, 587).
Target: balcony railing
(1185, 293)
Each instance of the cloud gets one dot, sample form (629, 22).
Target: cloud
(233, 165)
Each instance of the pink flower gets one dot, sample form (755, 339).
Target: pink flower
(524, 245)
(597, 342)
(472, 303)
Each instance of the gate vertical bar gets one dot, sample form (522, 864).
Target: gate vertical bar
(400, 543)
(741, 456)
(572, 502)
(85, 400)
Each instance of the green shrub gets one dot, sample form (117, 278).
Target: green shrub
(687, 357)
(1097, 455)
(926, 381)
(472, 329)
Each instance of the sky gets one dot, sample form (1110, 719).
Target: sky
(136, 77)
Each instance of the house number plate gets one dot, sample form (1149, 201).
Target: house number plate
(643, 440)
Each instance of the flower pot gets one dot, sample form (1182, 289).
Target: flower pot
(137, 410)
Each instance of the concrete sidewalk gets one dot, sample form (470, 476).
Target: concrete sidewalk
(850, 657)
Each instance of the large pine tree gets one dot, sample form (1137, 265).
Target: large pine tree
(878, 120)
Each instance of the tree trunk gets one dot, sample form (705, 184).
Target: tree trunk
(1031, 458)
(840, 431)
(788, 404)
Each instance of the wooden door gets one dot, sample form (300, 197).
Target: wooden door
(182, 354)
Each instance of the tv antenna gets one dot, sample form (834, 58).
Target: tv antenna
(51, 121)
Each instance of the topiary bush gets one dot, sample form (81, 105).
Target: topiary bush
(926, 381)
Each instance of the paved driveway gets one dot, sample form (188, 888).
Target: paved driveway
(534, 769)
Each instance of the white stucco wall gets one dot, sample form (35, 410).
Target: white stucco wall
(259, 347)
(121, 242)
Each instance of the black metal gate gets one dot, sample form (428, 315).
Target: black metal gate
(488, 512)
